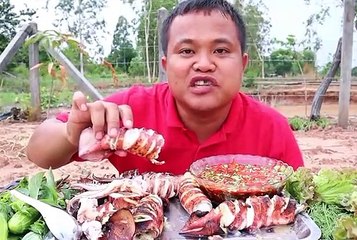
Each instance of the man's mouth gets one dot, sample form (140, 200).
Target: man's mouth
(203, 82)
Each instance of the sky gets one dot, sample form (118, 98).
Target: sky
(286, 16)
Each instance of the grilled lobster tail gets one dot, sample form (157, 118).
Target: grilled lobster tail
(234, 215)
(191, 196)
(161, 184)
(138, 141)
(149, 217)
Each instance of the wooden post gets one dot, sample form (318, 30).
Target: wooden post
(14, 45)
(161, 15)
(346, 62)
(34, 78)
(77, 76)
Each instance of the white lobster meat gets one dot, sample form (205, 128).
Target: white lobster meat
(191, 196)
(138, 141)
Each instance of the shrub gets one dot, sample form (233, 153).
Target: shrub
(304, 124)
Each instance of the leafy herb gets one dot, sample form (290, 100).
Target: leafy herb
(346, 228)
(49, 192)
(300, 185)
(39, 227)
(35, 184)
(325, 215)
(350, 202)
(5, 209)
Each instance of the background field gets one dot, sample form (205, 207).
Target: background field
(330, 147)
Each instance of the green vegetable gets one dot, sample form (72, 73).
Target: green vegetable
(5, 212)
(331, 195)
(350, 202)
(14, 237)
(325, 215)
(346, 228)
(5, 197)
(4, 231)
(39, 227)
(35, 184)
(333, 186)
(17, 205)
(300, 185)
(32, 236)
(50, 194)
(22, 220)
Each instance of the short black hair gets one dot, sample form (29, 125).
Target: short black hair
(189, 6)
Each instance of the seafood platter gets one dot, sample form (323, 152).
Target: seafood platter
(219, 197)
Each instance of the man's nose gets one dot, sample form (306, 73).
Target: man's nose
(204, 63)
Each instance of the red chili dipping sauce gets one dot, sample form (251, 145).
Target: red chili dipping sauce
(241, 179)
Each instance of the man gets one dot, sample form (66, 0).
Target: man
(200, 111)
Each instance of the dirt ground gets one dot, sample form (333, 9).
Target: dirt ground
(330, 148)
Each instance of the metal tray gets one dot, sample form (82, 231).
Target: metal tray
(304, 228)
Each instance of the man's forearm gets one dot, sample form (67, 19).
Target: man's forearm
(49, 146)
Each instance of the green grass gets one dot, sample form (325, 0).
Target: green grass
(7, 98)
(14, 90)
(304, 124)
(48, 99)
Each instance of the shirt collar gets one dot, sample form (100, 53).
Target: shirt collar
(234, 116)
(172, 117)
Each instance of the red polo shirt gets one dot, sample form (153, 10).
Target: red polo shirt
(251, 128)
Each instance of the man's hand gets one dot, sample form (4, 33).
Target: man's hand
(103, 117)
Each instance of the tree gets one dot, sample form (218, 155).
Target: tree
(320, 17)
(282, 61)
(288, 60)
(9, 22)
(122, 51)
(82, 19)
(258, 29)
(9, 19)
(320, 92)
(147, 34)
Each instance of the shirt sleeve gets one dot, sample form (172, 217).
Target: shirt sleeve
(62, 116)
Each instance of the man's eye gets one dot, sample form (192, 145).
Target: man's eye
(186, 51)
(221, 50)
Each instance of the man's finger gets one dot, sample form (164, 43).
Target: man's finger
(79, 101)
(112, 119)
(126, 115)
(97, 111)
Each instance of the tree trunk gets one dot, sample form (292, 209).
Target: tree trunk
(147, 35)
(321, 91)
(154, 60)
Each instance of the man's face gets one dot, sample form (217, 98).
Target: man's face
(204, 62)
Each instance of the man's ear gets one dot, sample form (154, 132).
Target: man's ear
(245, 59)
(164, 62)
